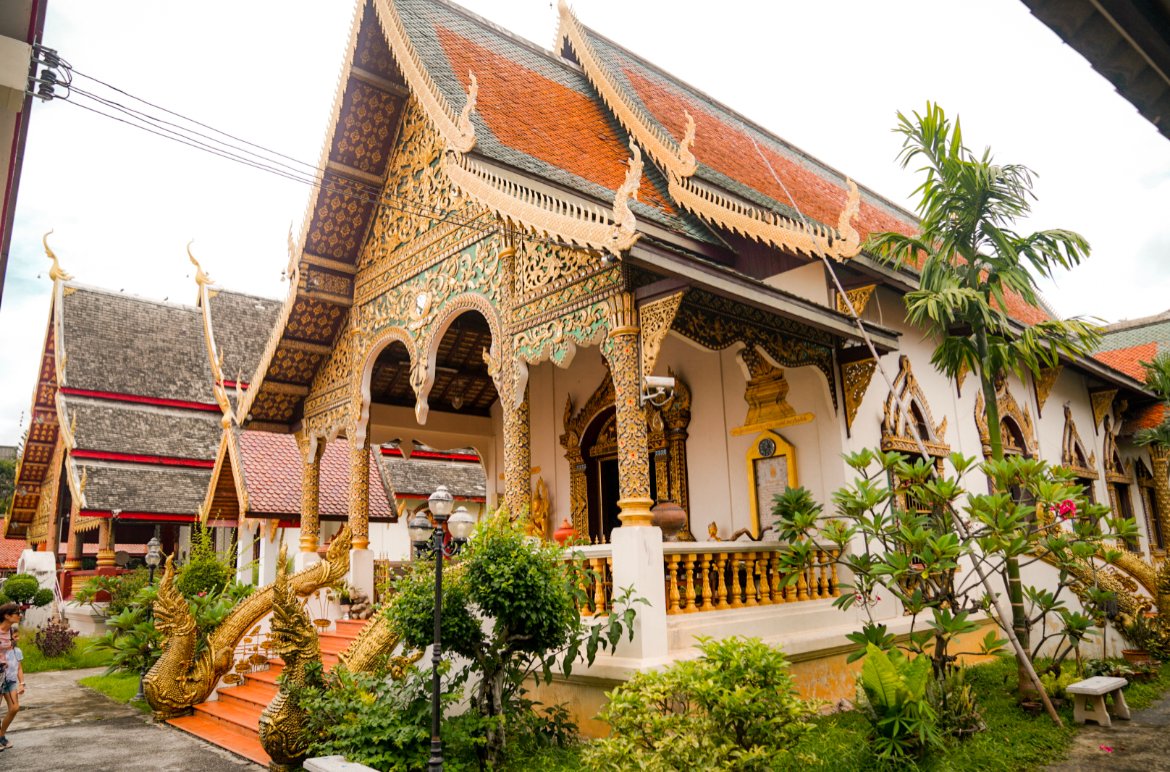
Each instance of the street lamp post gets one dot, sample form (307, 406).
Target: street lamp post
(423, 531)
(152, 559)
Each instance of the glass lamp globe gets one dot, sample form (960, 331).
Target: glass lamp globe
(441, 503)
(153, 552)
(461, 524)
(419, 529)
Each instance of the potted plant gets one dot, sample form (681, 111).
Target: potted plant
(1140, 632)
(344, 598)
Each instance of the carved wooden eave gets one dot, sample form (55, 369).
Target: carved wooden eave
(856, 299)
(457, 131)
(227, 456)
(856, 374)
(214, 357)
(806, 237)
(908, 394)
(655, 319)
(679, 164)
(1072, 450)
(766, 394)
(544, 212)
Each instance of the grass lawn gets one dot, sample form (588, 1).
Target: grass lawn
(120, 687)
(79, 657)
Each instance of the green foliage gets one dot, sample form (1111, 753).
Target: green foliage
(7, 482)
(121, 687)
(54, 638)
(80, 656)
(510, 609)
(121, 589)
(903, 721)
(733, 708)
(205, 572)
(25, 589)
(956, 710)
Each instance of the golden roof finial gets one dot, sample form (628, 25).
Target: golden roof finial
(56, 273)
(201, 277)
(291, 269)
(464, 122)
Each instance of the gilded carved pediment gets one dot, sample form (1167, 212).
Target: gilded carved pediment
(906, 402)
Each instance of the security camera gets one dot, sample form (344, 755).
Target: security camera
(657, 389)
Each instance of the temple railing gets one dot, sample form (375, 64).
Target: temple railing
(712, 576)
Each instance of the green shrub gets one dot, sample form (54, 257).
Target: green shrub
(733, 708)
(24, 589)
(121, 589)
(893, 698)
(205, 571)
(953, 701)
(54, 638)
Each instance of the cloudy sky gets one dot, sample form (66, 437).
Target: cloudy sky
(826, 76)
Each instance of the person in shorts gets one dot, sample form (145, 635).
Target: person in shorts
(12, 677)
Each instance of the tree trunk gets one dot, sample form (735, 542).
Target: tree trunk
(1012, 564)
(491, 701)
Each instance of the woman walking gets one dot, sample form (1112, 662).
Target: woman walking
(12, 679)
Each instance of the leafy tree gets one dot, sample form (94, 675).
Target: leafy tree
(26, 590)
(1157, 438)
(510, 608)
(973, 264)
(205, 570)
(7, 482)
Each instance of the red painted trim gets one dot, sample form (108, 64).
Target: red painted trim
(137, 458)
(433, 455)
(233, 384)
(159, 401)
(425, 496)
(160, 517)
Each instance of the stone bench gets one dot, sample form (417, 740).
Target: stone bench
(1089, 699)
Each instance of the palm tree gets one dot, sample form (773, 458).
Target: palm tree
(971, 260)
(1157, 439)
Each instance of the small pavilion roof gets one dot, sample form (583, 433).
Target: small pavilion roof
(421, 474)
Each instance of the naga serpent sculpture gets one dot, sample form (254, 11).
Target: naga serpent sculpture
(283, 734)
(183, 677)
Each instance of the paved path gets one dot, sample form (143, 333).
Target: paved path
(1140, 745)
(65, 727)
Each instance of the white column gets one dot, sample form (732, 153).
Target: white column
(361, 570)
(244, 536)
(637, 563)
(269, 554)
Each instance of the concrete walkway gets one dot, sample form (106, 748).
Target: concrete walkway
(1140, 745)
(64, 726)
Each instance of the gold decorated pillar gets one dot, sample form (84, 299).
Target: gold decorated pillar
(517, 454)
(676, 417)
(105, 555)
(620, 349)
(1160, 460)
(310, 492)
(359, 495)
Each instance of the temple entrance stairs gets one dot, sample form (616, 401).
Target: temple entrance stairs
(232, 720)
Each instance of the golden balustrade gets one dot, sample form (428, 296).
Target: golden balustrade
(720, 575)
(596, 577)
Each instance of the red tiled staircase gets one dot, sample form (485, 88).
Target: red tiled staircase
(232, 721)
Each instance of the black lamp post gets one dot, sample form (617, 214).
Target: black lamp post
(423, 531)
(152, 559)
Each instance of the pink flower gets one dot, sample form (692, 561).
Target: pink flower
(1106, 748)
(202, 593)
(1065, 510)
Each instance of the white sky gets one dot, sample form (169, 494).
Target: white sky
(826, 76)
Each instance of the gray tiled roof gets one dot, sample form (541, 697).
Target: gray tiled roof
(1134, 332)
(130, 345)
(420, 477)
(139, 488)
(122, 427)
(242, 324)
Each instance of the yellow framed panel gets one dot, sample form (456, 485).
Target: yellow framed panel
(771, 468)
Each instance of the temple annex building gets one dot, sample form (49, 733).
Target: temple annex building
(565, 282)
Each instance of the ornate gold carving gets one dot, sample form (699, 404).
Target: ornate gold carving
(539, 212)
(717, 322)
(1008, 409)
(766, 394)
(676, 417)
(359, 495)
(465, 127)
(1102, 404)
(1115, 468)
(181, 677)
(310, 452)
(56, 273)
(1044, 383)
(1160, 463)
(768, 227)
(855, 379)
(858, 298)
(621, 351)
(896, 432)
(1073, 455)
(961, 376)
(283, 731)
(557, 340)
(655, 319)
(458, 133)
(623, 314)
